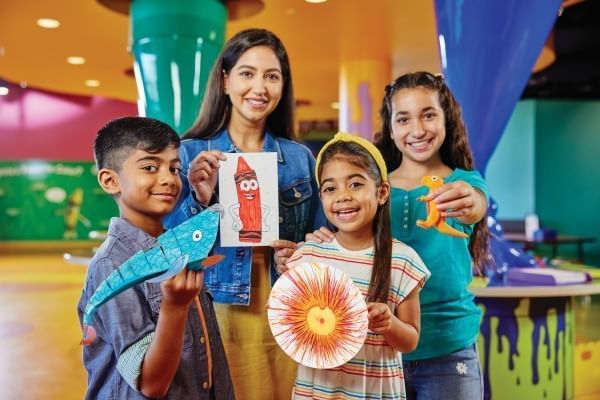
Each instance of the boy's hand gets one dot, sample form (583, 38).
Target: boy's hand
(321, 235)
(203, 174)
(283, 251)
(380, 317)
(181, 289)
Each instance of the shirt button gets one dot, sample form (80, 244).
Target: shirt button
(205, 385)
(405, 218)
(406, 226)
(193, 210)
(202, 340)
(280, 219)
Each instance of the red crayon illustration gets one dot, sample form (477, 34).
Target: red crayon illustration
(250, 209)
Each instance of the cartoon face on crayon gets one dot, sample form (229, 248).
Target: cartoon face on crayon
(250, 211)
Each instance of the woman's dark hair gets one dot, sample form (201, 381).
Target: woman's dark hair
(455, 151)
(356, 154)
(215, 111)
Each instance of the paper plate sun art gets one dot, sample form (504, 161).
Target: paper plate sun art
(318, 316)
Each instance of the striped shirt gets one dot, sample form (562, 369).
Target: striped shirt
(376, 370)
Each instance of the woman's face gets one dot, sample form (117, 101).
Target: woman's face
(254, 85)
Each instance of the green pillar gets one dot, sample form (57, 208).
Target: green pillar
(175, 44)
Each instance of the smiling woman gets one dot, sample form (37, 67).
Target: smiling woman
(248, 107)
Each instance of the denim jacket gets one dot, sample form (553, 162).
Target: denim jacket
(299, 210)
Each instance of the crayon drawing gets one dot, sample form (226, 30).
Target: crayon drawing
(249, 195)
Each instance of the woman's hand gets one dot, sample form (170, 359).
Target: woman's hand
(321, 235)
(459, 200)
(203, 174)
(283, 251)
(380, 317)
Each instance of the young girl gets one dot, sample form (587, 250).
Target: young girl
(355, 192)
(423, 134)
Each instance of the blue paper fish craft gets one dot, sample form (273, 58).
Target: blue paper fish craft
(187, 244)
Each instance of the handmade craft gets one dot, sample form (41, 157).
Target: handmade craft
(188, 244)
(318, 316)
(434, 218)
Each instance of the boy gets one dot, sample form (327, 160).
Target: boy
(153, 339)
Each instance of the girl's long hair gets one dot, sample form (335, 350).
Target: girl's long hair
(354, 153)
(455, 151)
(215, 111)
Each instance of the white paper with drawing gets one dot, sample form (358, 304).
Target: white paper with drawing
(249, 195)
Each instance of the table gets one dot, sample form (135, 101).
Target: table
(527, 341)
(529, 244)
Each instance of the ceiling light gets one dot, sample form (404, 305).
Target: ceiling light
(4, 90)
(76, 60)
(23, 85)
(315, 1)
(335, 105)
(48, 23)
(92, 83)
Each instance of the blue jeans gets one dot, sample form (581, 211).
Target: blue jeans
(455, 376)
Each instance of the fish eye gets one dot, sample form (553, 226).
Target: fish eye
(197, 235)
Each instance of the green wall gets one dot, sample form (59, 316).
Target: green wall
(511, 170)
(547, 162)
(51, 201)
(567, 187)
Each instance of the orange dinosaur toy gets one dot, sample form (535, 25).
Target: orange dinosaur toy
(434, 218)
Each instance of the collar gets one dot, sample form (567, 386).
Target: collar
(222, 140)
(130, 234)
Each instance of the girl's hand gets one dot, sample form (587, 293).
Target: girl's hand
(203, 174)
(321, 235)
(380, 317)
(180, 290)
(459, 200)
(283, 251)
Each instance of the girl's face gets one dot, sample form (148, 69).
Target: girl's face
(254, 85)
(350, 199)
(418, 124)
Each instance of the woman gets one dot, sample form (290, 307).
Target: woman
(248, 107)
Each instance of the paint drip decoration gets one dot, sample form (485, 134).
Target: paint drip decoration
(317, 315)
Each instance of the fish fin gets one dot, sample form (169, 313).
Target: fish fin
(177, 267)
(212, 260)
(89, 335)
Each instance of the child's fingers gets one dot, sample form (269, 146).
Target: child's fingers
(321, 235)
(283, 245)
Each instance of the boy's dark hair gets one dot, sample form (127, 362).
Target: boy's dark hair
(455, 151)
(381, 274)
(215, 111)
(118, 138)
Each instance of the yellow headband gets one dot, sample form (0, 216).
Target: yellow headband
(364, 143)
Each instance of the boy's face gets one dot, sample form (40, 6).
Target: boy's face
(147, 186)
